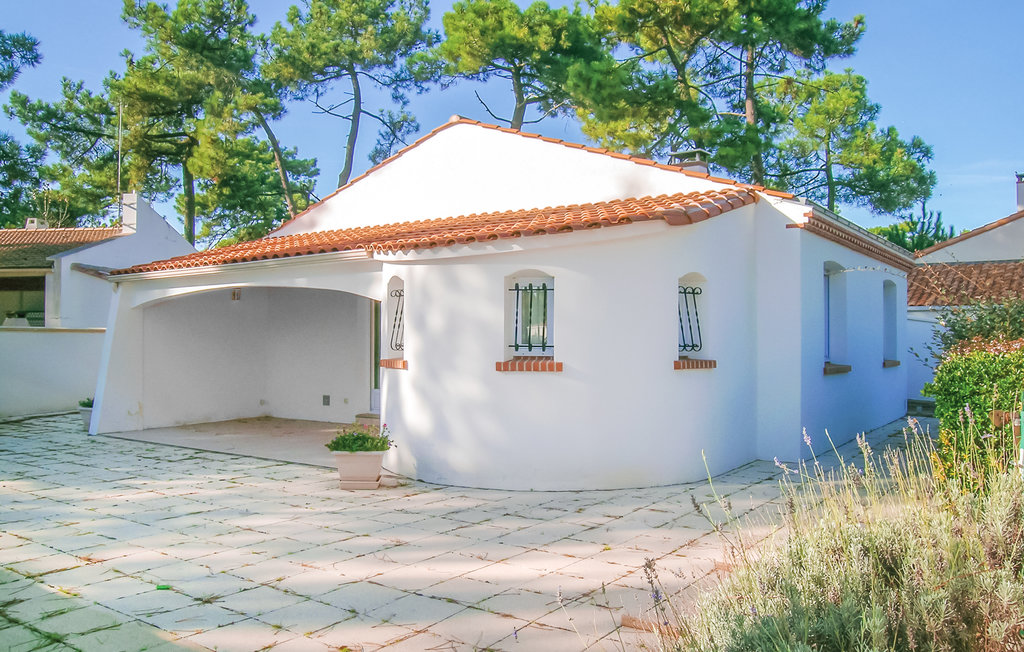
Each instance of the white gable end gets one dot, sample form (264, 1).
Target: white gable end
(1005, 242)
(467, 169)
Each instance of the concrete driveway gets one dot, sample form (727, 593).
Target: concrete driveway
(110, 544)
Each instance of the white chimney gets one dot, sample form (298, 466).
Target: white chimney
(130, 212)
(1020, 192)
(36, 223)
(694, 160)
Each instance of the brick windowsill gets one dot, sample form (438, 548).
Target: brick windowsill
(529, 363)
(832, 369)
(689, 363)
(888, 364)
(394, 363)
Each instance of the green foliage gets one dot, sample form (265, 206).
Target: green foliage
(984, 320)
(17, 52)
(915, 234)
(85, 402)
(834, 153)
(19, 177)
(975, 377)
(538, 50)
(361, 438)
(887, 556)
(19, 165)
(352, 42)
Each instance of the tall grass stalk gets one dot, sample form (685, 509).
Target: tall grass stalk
(877, 553)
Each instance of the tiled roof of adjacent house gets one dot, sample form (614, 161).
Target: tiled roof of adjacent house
(676, 209)
(457, 120)
(29, 248)
(951, 284)
(970, 234)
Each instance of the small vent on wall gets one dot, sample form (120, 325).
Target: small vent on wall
(236, 295)
(327, 399)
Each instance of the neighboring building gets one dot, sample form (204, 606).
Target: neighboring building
(649, 318)
(982, 264)
(54, 303)
(56, 276)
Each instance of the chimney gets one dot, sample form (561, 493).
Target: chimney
(694, 160)
(36, 223)
(1020, 192)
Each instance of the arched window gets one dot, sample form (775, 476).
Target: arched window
(530, 314)
(834, 317)
(690, 302)
(890, 349)
(396, 318)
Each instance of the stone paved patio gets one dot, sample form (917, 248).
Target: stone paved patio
(107, 544)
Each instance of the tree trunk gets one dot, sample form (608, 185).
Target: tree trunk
(829, 180)
(353, 130)
(279, 161)
(188, 186)
(757, 161)
(519, 114)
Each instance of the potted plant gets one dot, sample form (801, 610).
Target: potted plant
(359, 454)
(85, 409)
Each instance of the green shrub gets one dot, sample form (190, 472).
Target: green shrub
(361, 439)
(887, 556)
(85, 402)
(974, 378)
(986, 320)
(981, 375)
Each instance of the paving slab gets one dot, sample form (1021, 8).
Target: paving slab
(110, 543)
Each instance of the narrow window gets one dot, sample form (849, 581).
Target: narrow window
(889, 344)
(397, 340)
(689, 319)
(394, 314)
(533, 308)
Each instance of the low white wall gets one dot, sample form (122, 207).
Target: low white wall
(921, 325)
(47, 369)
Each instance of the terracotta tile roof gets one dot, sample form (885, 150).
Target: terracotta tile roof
(676, 209)
(458, 120)
(950, 284)
(970, 234)
(29, 248)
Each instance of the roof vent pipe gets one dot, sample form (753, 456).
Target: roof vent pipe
(1020, 192)
(694, 160)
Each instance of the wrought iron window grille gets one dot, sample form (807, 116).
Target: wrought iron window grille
(397, 342)
(530, 330)
(689, 320)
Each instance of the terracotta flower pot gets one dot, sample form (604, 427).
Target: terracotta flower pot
(360, 470)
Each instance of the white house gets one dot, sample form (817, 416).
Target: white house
(54, 302)
(536, 315)
(984, 263)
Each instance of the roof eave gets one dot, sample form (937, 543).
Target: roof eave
(222, 268)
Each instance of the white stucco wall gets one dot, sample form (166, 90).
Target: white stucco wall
(619, 415)
(486, 170)
(869, 395)
(1005, 242)
(47, 369)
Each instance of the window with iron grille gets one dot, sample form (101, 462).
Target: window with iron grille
(397, 339)
(689, 319)
(533, 308)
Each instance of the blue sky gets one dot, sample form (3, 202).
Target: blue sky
(940, 70)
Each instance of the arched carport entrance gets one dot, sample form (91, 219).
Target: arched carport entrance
(294, 342)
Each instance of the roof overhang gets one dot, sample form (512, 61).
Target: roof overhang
(290, 262)
(27, 271)
(828, 225)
